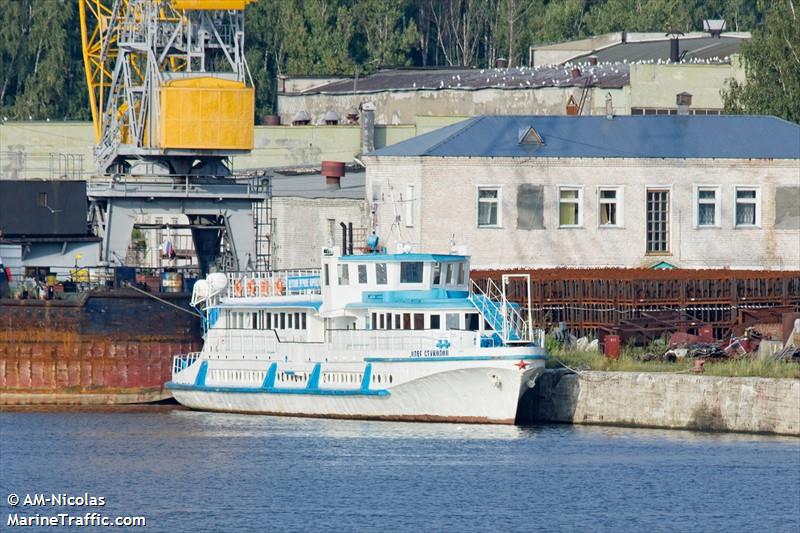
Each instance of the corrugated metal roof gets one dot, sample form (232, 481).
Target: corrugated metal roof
(710, 49)
(605, 76)
(312, 185)
(669, 136)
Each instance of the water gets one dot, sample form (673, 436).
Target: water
(192, 471)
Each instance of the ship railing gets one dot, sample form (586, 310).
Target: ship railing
(381, 340)
(274, 283)
(183, 361)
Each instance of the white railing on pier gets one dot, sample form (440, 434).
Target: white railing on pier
(273, 283)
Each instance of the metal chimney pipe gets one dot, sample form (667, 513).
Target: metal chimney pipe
(674, 50)
(344, 237)
(367, 127)
(349, 238)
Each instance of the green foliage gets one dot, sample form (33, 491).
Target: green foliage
(772, 66)
(41, 68)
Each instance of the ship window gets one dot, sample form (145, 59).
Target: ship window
(453, 274)
(303, 321)
(362, 274)
(268, 325)
(327, 274)
(41, 200)
(397, 322)
(406, 320)
(374, 321)
(461, 270)
(283, 321)
(411, 272)
(473, 321)
(419, 321)
(344, 274)
(452, 320)
(388, 321)
(383, 321)
(297, 321)
(275, 323)
(436, 321)
(255, 320)
(380, 273)
(437, 273)
(289, 321)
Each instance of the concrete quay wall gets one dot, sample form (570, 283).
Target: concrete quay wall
(663, 400)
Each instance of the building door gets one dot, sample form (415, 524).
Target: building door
(657, 221)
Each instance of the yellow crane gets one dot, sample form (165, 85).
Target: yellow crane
(169, 88)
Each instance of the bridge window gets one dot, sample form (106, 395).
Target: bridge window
(362, 274)
(461, 271)
(411, 272)
(436, 321)
(380, 273)
(374, 321)
(297, 321)
(268, 324)
(289, 321)
(437, 273)
(451, 274)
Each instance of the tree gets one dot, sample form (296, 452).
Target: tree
(388, 38)
(772, 67)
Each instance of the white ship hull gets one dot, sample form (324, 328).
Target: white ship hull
(478, 394)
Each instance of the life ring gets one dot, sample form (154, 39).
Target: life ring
(251, 287)
(279, 286)
(264, 287)
(237, 288)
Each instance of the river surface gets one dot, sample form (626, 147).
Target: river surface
(192, 471)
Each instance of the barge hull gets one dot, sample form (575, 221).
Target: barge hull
(102, 348)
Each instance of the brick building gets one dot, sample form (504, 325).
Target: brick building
(619, 191)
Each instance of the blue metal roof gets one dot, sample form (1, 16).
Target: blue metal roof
(649, 136)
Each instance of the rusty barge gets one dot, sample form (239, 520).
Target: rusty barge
(102, 347)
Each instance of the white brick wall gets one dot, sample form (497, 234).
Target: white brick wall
(447, 205)
(301, 228)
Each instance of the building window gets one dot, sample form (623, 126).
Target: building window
(380, 273)
(747, 212)
(488, 207)
(706, 206)
(362, 274)
(609, 208)
(411, 272)
(327, 274)
(41, 199)
(657, 221)
(344, 274)
(409, 201)
(569, 207)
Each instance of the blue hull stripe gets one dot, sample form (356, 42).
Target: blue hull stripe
(170, 385)
(454, 358)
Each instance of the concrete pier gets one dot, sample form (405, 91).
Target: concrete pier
(664, 400)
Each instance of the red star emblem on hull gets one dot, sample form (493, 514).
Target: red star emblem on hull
(522, 365)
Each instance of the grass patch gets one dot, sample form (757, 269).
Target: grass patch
(629, 362)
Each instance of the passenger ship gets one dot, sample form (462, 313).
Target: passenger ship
(394, 336)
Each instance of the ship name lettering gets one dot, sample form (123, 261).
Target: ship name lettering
(430, 353)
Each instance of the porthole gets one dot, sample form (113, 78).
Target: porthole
(390, 378)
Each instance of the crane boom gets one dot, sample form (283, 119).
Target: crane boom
(169, 88)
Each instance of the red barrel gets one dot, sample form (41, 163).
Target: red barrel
(611, 346)
(706, 333)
